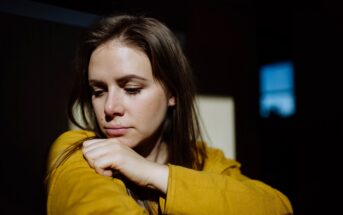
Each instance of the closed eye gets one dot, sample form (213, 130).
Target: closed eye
(97, 88)
(133, 90)
(97, 93)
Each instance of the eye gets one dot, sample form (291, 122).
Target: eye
(133, 90)
(97, 93)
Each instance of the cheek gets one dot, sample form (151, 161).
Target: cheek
(98, 110)
(153, 114)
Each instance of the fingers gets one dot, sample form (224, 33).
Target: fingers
(104, 172)
(103, 155)
(89, 144)
(100, 147)
(90, 151)
(105, 165)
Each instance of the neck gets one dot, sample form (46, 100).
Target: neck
(154, 148)
(159, 154)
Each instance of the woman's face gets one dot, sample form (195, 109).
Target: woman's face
(128, 103)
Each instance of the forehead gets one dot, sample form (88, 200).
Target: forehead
(117, 58)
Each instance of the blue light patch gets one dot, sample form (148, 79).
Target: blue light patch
(277, 90)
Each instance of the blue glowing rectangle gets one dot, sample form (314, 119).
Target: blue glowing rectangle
(277, 90)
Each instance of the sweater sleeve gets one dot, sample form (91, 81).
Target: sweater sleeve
(75, 188)
(224, 192)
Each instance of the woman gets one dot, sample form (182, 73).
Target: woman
(139, 150)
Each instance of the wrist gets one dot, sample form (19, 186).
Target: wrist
(158, 179)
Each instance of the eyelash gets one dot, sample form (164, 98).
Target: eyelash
(132, 90)
(97, 93)
(129, 91)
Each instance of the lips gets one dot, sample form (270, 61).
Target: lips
(116, 131)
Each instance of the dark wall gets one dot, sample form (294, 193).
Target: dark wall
(318, 57)
(299, 154)
(35, 80)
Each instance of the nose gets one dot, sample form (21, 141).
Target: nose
(113, 106)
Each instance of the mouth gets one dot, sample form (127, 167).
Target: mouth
(116, 131)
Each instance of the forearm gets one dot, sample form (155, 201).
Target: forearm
(195, 192)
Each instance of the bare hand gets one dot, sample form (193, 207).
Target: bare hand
(108, 155)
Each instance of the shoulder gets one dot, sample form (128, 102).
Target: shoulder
(217, 162)
(69, 138)
(72, 136)
(65, 140)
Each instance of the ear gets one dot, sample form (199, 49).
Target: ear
(171, 101)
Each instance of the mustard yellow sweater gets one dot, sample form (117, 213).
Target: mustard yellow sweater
(74, 188)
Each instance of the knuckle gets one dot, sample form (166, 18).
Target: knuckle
(85, 143)
(86, 154)
(96, 163)
(84, 151)
(119, 159)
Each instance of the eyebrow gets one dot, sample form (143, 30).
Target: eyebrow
(121, 80)
(95, 83)
(128, 78)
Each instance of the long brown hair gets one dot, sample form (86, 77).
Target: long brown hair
(170, 67)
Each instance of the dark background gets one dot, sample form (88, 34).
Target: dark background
(226, 42)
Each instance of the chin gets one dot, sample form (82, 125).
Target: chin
(125, 141)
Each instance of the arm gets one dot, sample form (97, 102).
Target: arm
(75, 188)
(223, 192)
